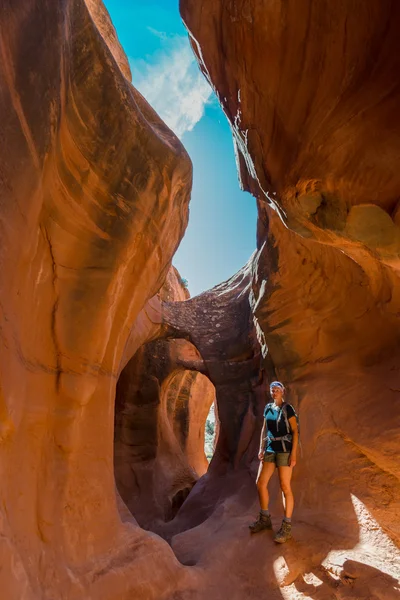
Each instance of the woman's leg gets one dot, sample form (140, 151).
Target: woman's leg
(265, 473)
(285, 476)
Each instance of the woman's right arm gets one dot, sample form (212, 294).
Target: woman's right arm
(261, 450)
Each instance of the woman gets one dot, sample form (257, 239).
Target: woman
(278, 448)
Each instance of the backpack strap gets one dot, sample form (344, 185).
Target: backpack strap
(267, 407)
(283, 438)
(284, 412)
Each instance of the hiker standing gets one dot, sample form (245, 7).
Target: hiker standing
(278, 449)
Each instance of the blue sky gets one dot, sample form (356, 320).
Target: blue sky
(221, 234)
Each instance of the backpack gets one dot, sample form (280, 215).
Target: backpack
(288, 436)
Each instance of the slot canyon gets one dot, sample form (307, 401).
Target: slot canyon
(108, 366)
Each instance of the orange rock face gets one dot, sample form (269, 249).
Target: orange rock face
(330, 334)
(94, 199)
(162, 403)
(311, 94)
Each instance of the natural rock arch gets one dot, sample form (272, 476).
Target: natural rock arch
(161, 409)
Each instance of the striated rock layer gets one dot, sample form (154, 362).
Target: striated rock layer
(162, 402)
(94, 198)
(94, 201)
(163, 398)
(311, 94)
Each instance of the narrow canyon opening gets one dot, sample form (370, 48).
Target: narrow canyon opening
(211, 432)
(161, 415)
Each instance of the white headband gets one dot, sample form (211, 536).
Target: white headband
(276, 384)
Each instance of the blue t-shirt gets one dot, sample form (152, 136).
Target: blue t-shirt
(276, 426)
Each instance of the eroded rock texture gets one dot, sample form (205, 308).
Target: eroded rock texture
(94, 195)
(162, 402)
(94, 201)
(164, 395)
(311, 92)
(220, 325)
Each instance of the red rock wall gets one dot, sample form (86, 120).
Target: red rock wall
(159, 435)
(162, 402)
(331, 336)
(164, 394)
(311, 94)
(310, 91)
(220, 324)
(89, 223)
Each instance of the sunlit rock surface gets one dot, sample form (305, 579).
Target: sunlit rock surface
(94, 197)
(311, 94)
(311, 91)
(94, 201)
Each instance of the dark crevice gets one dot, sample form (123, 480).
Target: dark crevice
(177, 501)
(55, 308)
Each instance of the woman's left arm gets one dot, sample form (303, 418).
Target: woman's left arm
(295, 442)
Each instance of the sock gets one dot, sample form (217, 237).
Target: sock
(265, 512)
(287, 519)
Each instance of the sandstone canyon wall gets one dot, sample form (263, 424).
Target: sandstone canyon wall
(94, 201)
(311, 93)
(162, 401)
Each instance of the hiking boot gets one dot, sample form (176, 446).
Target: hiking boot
(263, 522)
(284, 534)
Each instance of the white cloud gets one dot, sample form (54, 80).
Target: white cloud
(160, 34)
(173, 85)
